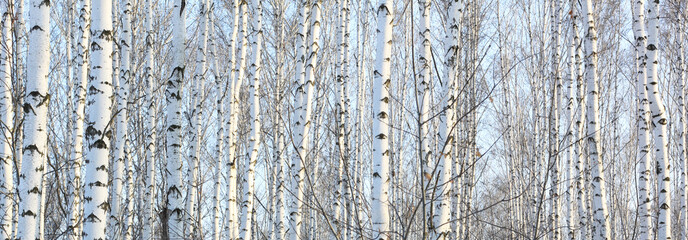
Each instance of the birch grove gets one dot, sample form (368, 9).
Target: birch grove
(341, 119)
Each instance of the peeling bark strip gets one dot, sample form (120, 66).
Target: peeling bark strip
(35, 120)
(175, 201)
(98, 130)
(381, 151)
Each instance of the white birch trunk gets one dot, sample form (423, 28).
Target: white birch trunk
(80, 82)
(423, 83)
(601, 227)
(645, 221)
(254, 140)
(195, 129)
(442, 221)
(683, 143)
(116, 225)
(150, 110)
(342, 69)
(231, 228)
(7, 114)
(659, 121)
(221, 87)
(381, 151)
(297, 162)
(175, 198)
(555, 76)
(98, 128)
(240, 71)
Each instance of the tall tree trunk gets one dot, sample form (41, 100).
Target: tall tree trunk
(80, 81)
(643, 117)
(232, 227)
(98, 129)
(297, 163)
(381, 151)
(423, 90)
(553, 160)
(116, 229)
(175, 201)
(240, 70)
(150, 110)
(7, 112)
(254, 140)
(442, 221)
(601, 227)
(195, 130)
(221, 88)
(659, 121)
(683, 143)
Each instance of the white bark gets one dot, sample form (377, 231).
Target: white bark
(643, 154)
(6, 122)
(555, 76)
(659, 121)
(381, 151)
(195, 129)
(240, 71)
(117, 216)
(175, 201)
(232, 227)
(254, 140)
(80, 82)
(297, 162)
(221, 87)
(150, 110)
(423, 83)
(448, 121)
(98, 128)
(601, 227)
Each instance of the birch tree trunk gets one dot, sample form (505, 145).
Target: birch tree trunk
(683, 143)
(80, 81)
(381, 151)
(7, 112)
(659, 121)
(254, 140)
(643, 117)
(424, 80)
(555, 75)
(150, 110)
(442, 221)
(116, 225)
(221, 87)
(342, 72)
(240, 71)
(175, 201)
(98, 129)
(232, 227)
(192, 223)
(297, 163)
(601, 227)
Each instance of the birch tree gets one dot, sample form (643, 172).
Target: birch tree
(35, 120)
(254, 141)
(381, 151)
(116, 224)
(149, 113)
(601, 227)
(659, 121)
(175, 201)
(7, 111)
(644, 155)
(297, 169)
(98, 128)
